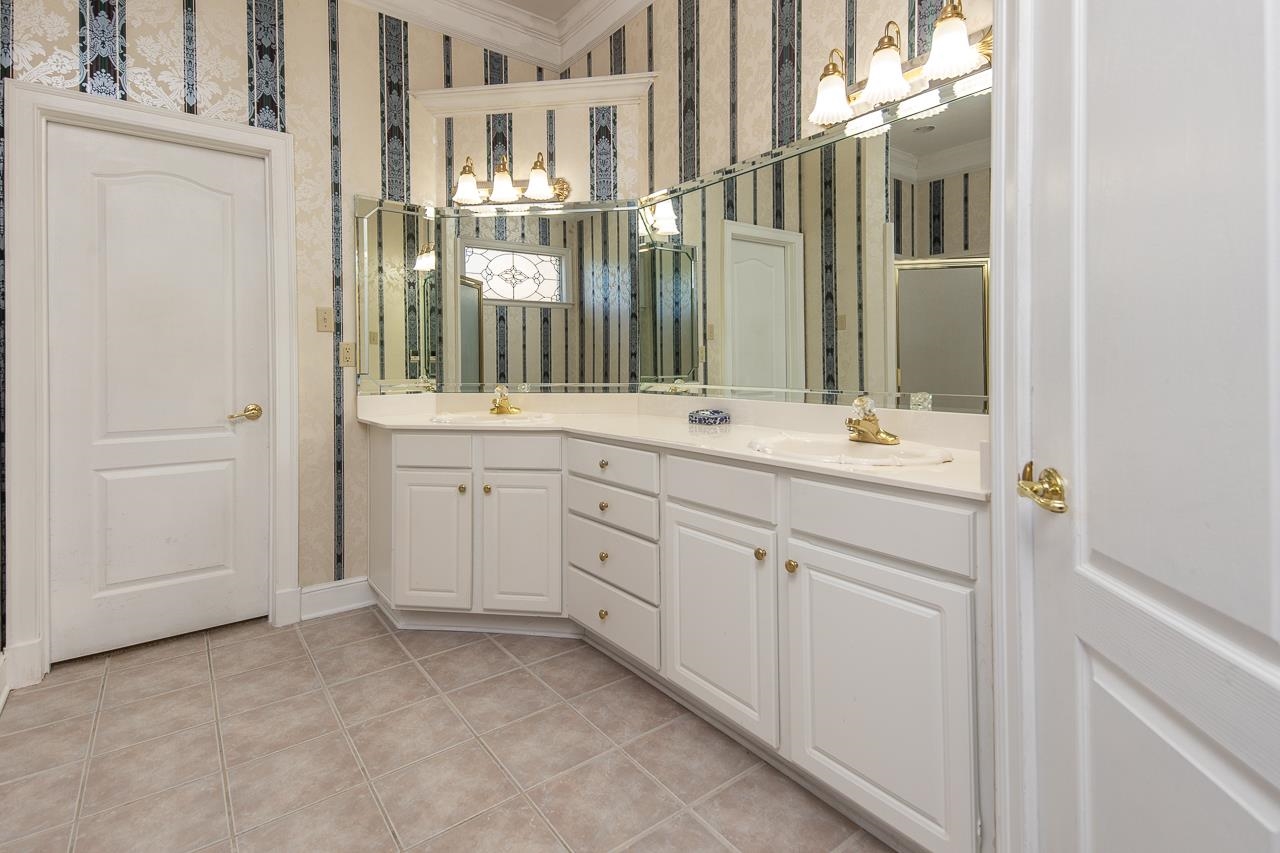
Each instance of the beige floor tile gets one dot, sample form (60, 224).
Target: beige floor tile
(53, 841)
(528, 648)
(359, 658)
(277, 784)
(125, 725)
(263, 686)
(627, 708)
(466, 664)
(502, 700)
(538, 747)
(152, 679)
(40, 749)
(254, 653)
(380, 692)
(578, 671)
(863, 842)
(349, 822)
(423, 643)
(427, 798)
(184, 818)
(27, 710)
(145, 768)
(691, 757)
(276, 726)
(603, 803)
(339, 630)
(684, 833)
(223, 846)
(171, 647)
(511, 826)
(402, 737)
(69, 671)
(764, 812)
(35, 803)
(247, 630)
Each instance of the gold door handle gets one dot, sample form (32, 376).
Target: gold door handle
(604, 614)
(251, 413)
(604, 555)
(791, 566)
(462, 490)
(761, 554)
(488, 489)
(1049, 492)
(604, 505)
(604, 463)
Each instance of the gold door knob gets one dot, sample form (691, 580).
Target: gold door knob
(487, 488)
(251, 413)
(1049, 492)
(604, 505)
(761, 554)
(604, 463)
(462, 490)
(604, 555)
(604, 614)
(791, 566)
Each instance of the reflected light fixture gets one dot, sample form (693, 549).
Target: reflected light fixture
(539, 188)
(951, 55)
(885, 82)
(662, 218)
(832, 104)
(504, 191)
(468, 191)
(426, 261)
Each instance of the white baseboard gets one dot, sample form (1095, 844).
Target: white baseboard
(23, 665)
(286, 607)
(329, 598)
(4, 681)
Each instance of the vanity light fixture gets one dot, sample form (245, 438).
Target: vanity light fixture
(539, 188)
(426, 260)
(468, 191)
(662, 218)
(504, 191)
(951, 55)
(885, 82)
(832, 105)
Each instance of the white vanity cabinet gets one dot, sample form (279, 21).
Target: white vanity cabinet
(521, 564)
(431, 539)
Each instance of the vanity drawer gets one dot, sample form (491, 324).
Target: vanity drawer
(630, 563)
(931, 534)
(622, 466)
(611, 505)
(522, 452)
(738, 490)
(623, 620)
(422, 450)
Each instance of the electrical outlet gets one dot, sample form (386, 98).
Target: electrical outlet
(347, 354)
(324, 319)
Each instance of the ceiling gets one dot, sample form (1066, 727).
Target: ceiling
(552, 10)
(965, 121)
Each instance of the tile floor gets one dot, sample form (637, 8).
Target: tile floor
(343, 735)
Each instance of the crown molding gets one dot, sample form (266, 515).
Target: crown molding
(499, 25)
(613, 90)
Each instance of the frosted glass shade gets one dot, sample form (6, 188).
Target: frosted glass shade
(664, 219)
(951, 54)
(539, 188)
(426, 262)
(504, 191)
(468, 191)
(885, 82)
(832, 105)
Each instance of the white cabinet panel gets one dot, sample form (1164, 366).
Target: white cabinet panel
(881, 673)
(431, 539)
(727, 488)
(719, 602)
(420, 450)
(521, 563)
(622, 466)
(623, 620)
(617, 507)
(522, 452)
(626, 561)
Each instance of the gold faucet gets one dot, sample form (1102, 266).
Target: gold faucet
(865, 424)
(502, 403)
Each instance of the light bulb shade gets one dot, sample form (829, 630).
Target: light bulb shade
(504, 191)
(539, 188)
(951, 55)
(663, 219)
(468, 191)
(832, 104)
(885, 82)
(426, 262)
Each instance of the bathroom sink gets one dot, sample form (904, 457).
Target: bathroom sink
(482, 418)
(841, 451)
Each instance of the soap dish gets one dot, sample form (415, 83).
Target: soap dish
(709, 417)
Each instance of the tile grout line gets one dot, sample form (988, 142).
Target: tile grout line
(88, 759)
(222, 753)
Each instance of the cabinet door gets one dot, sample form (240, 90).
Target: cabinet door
(431, 539)
(521, 563)
(719, 605)
(881, 677)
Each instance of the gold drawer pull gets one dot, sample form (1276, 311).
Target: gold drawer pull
(792, 566)
(488, 489)
(462, 490)
(604, 555)
(604, 505)
(604, 614)
(761, 554)
(604, 463)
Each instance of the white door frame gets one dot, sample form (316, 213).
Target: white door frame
(792, 243)
(29, 110)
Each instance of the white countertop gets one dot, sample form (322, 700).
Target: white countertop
(962, 477)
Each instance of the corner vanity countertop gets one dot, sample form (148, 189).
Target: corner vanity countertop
(962, 477)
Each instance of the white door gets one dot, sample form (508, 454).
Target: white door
(431, 539)
(719, 603)
(1154, 281)
(763, 334)
(881, 692)
(158, 330)
(521, 563)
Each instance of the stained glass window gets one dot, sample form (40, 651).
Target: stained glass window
(515, 275)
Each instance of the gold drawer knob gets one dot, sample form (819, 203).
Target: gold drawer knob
(462, 490)
(604, 505)
(604, 463)
(488, 489)
(604, 614)
(761, 554)
(792, 566)
(604, 555)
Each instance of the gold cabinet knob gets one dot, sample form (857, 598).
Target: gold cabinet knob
(604, 505)
(604, 555)
(251, 413)
(487, 488)
(761, 554)
(462, 490)
(792, 566)
(604, 614)
(604, 463)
